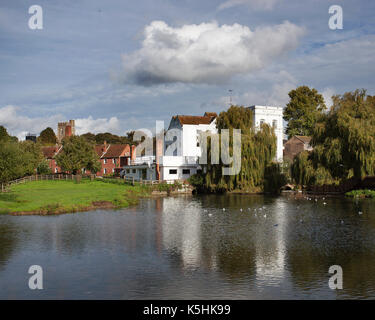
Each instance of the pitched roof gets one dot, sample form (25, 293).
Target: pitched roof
(117, 150)
(210, 114)
(304, 139)
(206, 119)
(100, 149)
(50, 152)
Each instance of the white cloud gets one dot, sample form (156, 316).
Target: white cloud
(19, 125)
(327, 95)
(12, 118)
(97, 125)
(206, 53)
(253, 4)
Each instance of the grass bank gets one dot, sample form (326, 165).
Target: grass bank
(54, 197)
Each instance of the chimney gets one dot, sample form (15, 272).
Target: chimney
(132, 153)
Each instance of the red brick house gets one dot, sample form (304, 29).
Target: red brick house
(295, 145)
(49, 154)
(112, 157)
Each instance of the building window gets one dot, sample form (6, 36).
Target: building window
(197, 144)
(56, 170)
(105, 161)
(172, 171)
(134, 170)
(274, 124)
(114, 161)
(105, 171)
(185, 171)
(127, 170)
(113, 170)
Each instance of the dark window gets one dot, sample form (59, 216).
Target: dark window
(185, 171)
(274, 123)
(172, 171)
(134, 170)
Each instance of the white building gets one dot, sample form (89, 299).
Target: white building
(181, 150)
(181, 154)
(273, 116)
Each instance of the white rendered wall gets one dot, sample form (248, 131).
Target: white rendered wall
(189, 137)
(269, 114)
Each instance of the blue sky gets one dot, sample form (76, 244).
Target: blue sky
(120, 65)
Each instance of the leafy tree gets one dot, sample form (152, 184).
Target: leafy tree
(47, 137)
(11, 164)
(344, 139)
(258, 149)
(78, 154)
(43, 167)
(4, 136)
(303, 110)
(89, 137)
(31, 156)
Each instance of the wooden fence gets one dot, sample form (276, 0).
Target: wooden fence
(5, 187)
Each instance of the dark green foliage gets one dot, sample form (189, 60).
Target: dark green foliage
(343, 141)
(274, 179)
(303, 110)
(47, 137)
(258, 149)
(18, 159)
(43, 168)
(5, 137)
(11, 164)
(78, 154)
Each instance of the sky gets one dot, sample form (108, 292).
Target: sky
(116, 66)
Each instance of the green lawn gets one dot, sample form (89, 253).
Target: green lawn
(49, 197)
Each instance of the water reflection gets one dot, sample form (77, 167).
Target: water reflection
(233, 246)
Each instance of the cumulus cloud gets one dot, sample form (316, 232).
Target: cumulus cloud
(206, 53)
(254, 4)
(19, 125)
(97, 125)
(12, 118)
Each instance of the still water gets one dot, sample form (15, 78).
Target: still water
(190, 248)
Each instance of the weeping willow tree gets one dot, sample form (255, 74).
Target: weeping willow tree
(343, 141)
(258, 149)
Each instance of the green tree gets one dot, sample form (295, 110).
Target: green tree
(11, 166)
(78, 154)
(31, 156)
(303, 110)
(4, 136)
(344, 139)
(47, 137)
(258, 149)
(43, 167)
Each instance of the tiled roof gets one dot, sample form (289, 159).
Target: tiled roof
(117, 150)
(50, 152)
(304, 139)
(210, 114)
(100, 149)
(207, 119)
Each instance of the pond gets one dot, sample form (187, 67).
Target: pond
(195, 247)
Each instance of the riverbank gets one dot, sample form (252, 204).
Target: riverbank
(56, 197)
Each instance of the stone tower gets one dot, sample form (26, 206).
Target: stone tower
(65, 129)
